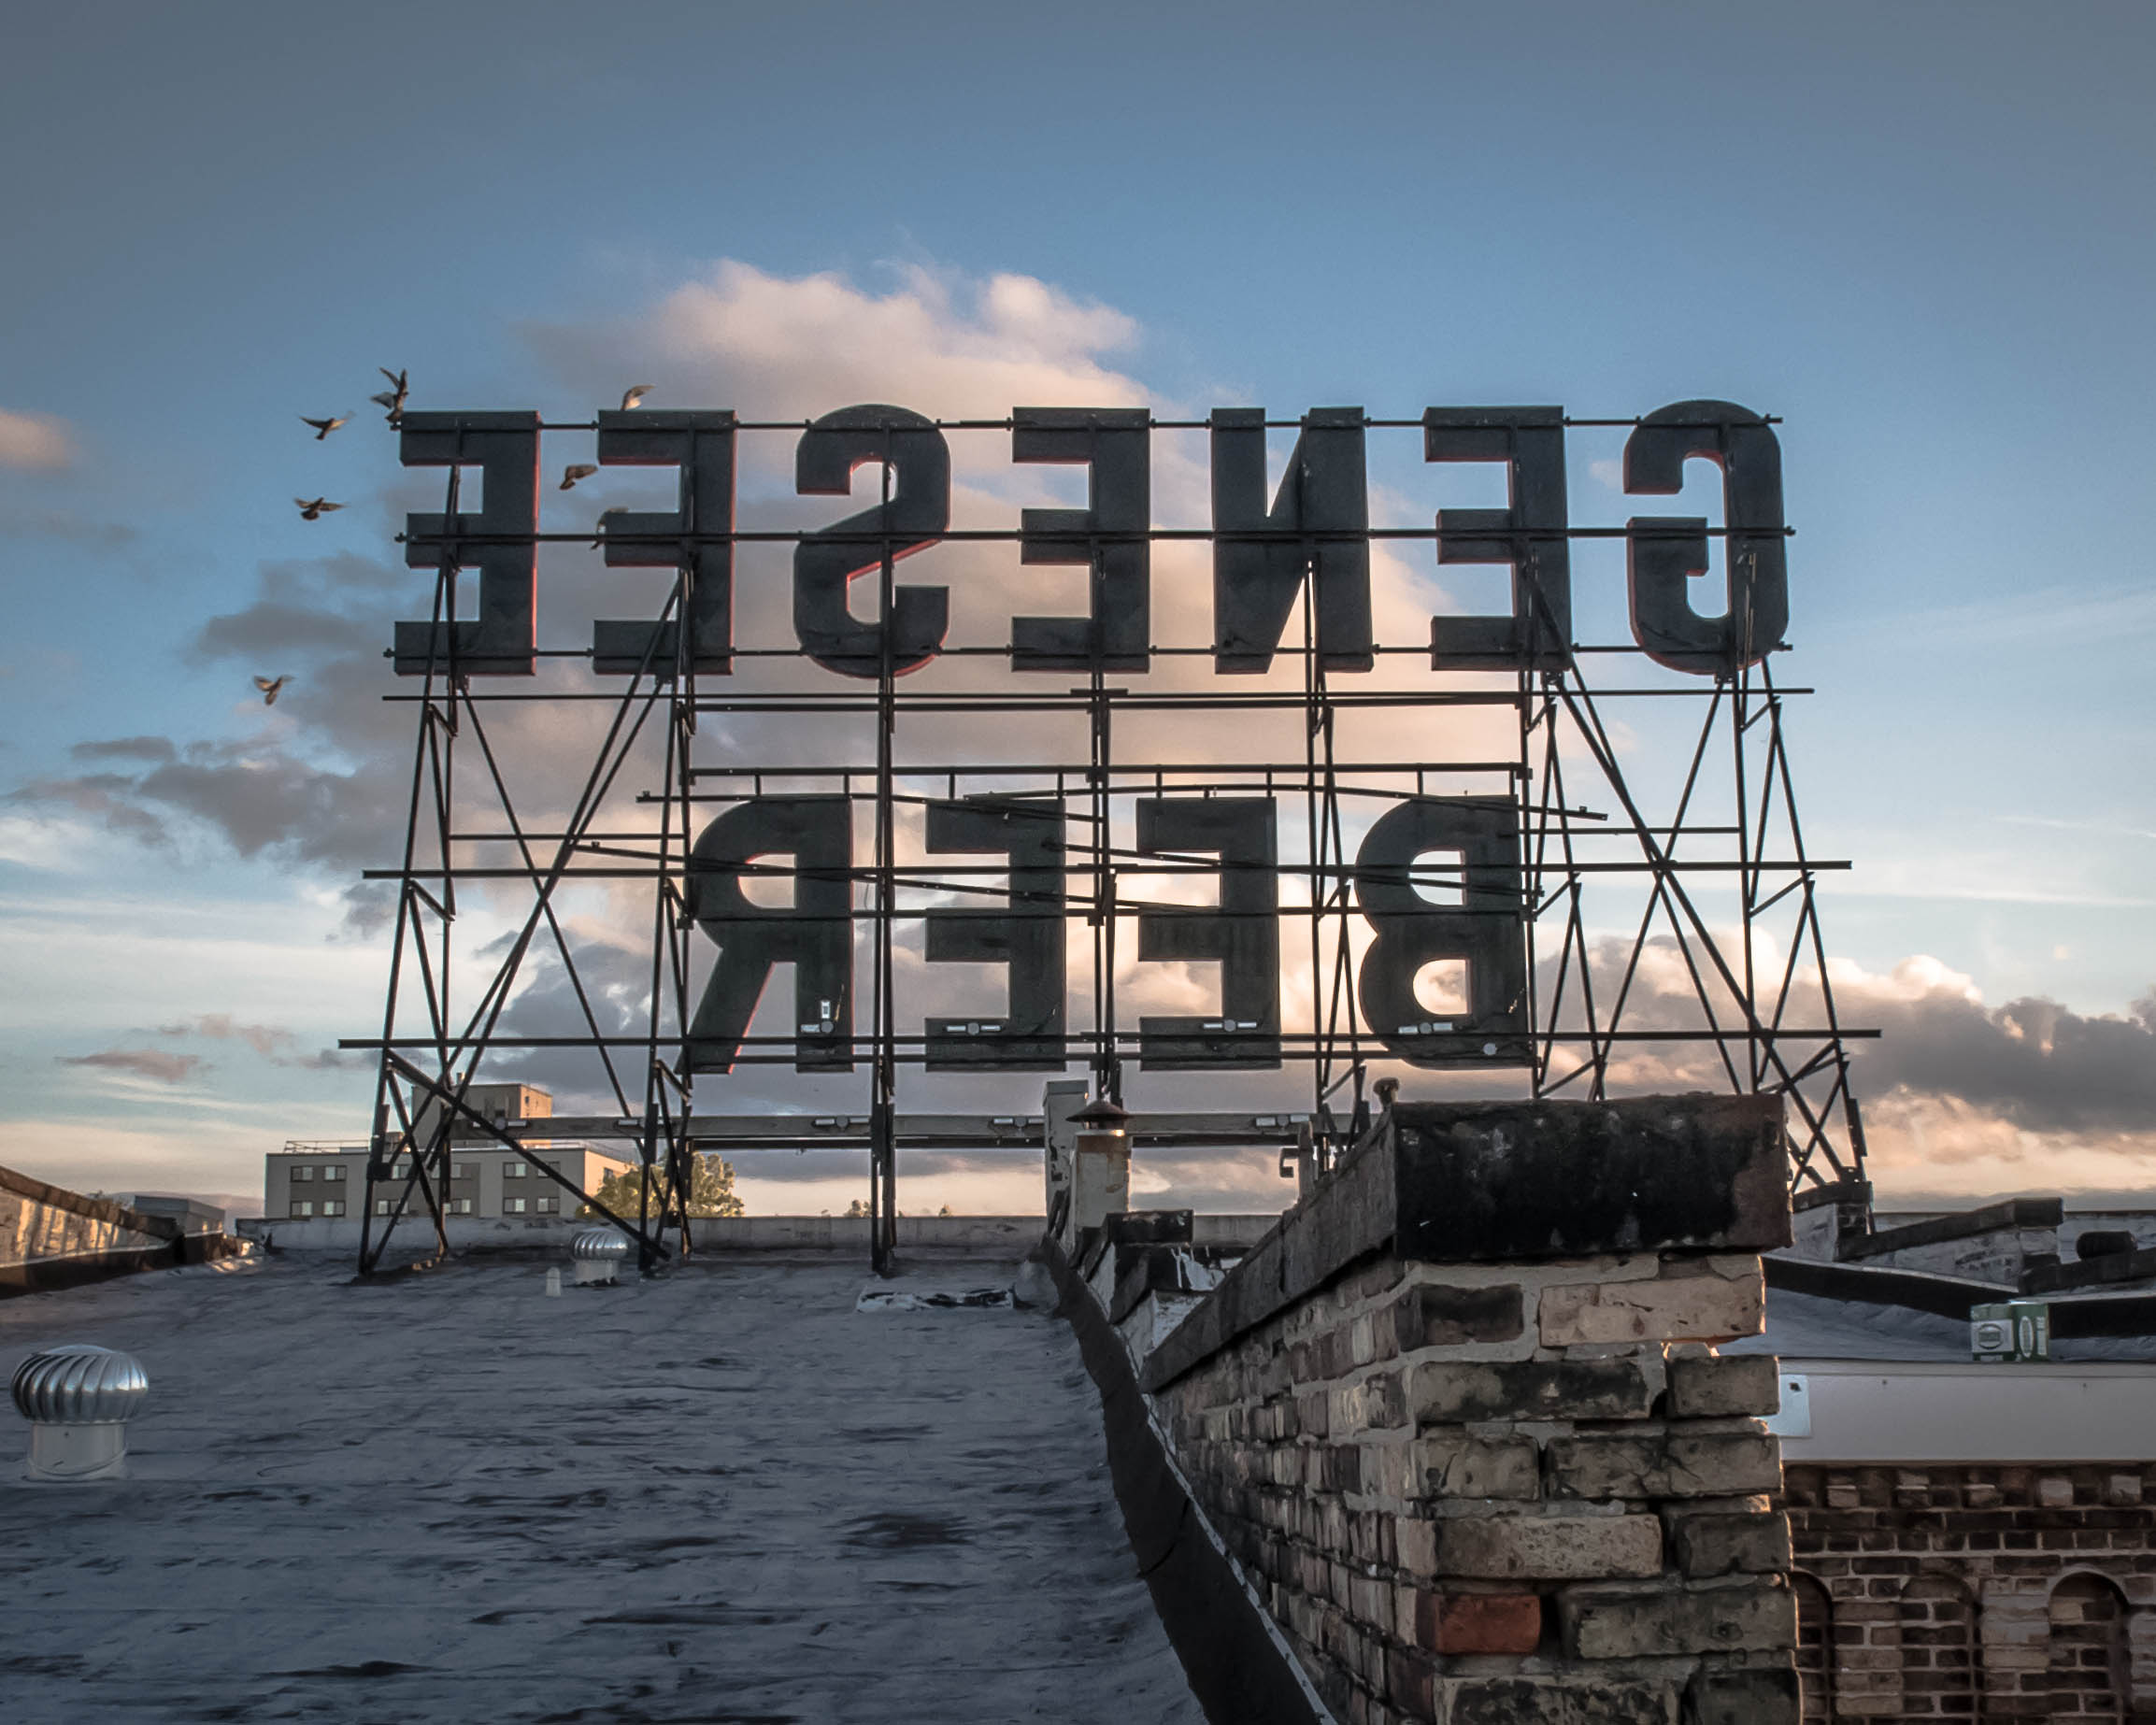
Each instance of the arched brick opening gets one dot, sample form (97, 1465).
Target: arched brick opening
(1815, 1650)
(2087, 1677)
(1940, 1675)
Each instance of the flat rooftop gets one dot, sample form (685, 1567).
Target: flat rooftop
(724, 1495)
(1813, 1327)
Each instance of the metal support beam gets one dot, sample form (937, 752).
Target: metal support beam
(1662, 928)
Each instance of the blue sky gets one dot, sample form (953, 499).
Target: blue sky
(1920, 233)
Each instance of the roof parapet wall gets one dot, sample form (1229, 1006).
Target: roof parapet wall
(1512, 1181)
(91, 1209)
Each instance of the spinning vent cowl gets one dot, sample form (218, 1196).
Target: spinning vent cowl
(77, 1384)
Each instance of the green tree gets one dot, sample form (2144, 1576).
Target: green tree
(710, 1190)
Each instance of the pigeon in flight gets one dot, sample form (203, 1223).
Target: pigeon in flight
(313, 509)
(322, 427)
(391, 400)
(634, 397)
(270, 689)
(601, 526)
(580, 470)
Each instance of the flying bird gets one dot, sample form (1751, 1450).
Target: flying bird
(270, 689)
(601, 526)
(581, 470)
(322, 427)
(391, 400)
(634, 397)
(313, 509)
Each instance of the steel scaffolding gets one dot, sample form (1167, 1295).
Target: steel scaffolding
(1663, 924)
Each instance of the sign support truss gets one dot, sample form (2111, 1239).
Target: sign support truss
(1713, 972)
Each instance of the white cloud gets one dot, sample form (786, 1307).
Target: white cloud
(1944, 1146)
(79, 969)
(790, 349)
(51, 844)
(215, 1149)
(33, 440)
(1960, 1098)
(1918, 978)
(793, 349)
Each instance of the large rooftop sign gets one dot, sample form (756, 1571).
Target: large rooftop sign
(1142, 832)
(1316, 528)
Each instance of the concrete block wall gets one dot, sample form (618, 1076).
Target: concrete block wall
(1524, 1487)
(1985, 1593)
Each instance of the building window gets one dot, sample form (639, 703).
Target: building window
(303, 1206)
(515, 1170)
(306, 1172)
(333, 1206)
(458, 1206)
(549, 1207)
(384, 1205)
(464, 1171)
(513, 1206)
(335, 1171)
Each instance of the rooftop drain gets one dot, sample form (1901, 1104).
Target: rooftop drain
(79, 1399)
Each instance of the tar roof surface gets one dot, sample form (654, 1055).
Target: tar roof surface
(724, 1496)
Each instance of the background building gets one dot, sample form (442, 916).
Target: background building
(303, 1181)
(506, 1105)
(326, 1181)
(1969, 1540)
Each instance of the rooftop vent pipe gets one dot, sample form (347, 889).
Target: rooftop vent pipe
(79, 1399)
(1100, 1166)
(597, 1253)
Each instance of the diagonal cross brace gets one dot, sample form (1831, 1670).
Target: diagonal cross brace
(456, 1104)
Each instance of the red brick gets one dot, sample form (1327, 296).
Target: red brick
(1478, 1622)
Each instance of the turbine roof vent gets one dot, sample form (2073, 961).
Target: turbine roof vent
(80, 1383)
(599, 1243)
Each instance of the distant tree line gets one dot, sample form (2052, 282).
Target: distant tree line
(710, 1190)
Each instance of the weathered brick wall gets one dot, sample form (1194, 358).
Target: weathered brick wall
(1508, 1492)
(1989, 1594)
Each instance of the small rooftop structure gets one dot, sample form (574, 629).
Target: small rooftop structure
(191, 1214)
